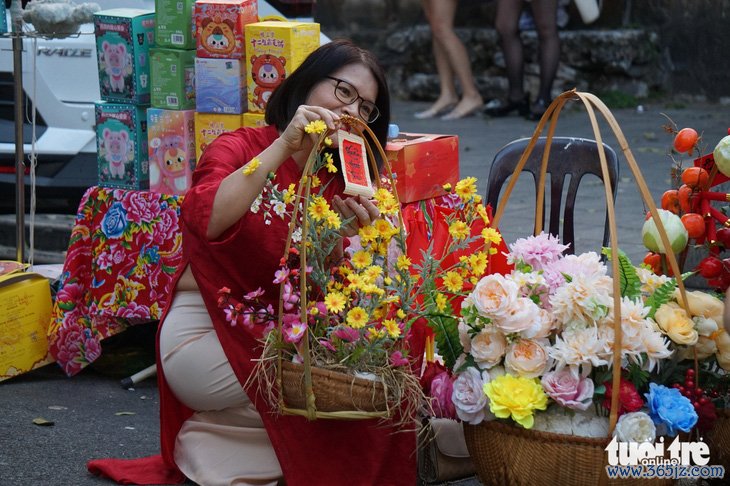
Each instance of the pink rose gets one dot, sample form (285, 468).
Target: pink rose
(526, 358)
(569, 389)
(468, 396)
(488, 347)
(441, 389)
(521, 315)
(493, 296)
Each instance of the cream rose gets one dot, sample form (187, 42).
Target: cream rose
(526, 358)
(464, 338)
(488, 347)
(701, 303)
(675, 323)
(635, 427)
(494, 295)
(521, 315)
(540, 328)
(722, 340)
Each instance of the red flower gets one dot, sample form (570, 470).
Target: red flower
(629, 399)
(433, 369)
(707, 414)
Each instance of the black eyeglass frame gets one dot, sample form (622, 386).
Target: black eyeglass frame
(374, 113)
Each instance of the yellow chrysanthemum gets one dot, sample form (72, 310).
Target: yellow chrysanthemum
(389, 207)
(400, 314)
(367, 234)
(382, 194)
(318, 208)
(387, 280)
(453, 282)
(373, 272)
(330, 163)
(251, 167)
(335, 302)
(492, 251)
(403, 262)
(290, 194)
(491, 235)
(328, 141)
(447, 187)
(441, 302)
(482, 212)
(315, 126)
(478, 262)
(392, 327)
(357, 317)
(333, 220)
(375, 334)
(516, 397)
(466, 188)
(362, 259)
(373, 289)
(459, 230)
(315, 182)
(384, 228)
(379, 312)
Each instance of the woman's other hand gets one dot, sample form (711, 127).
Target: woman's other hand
(361, 211)
(295, 139)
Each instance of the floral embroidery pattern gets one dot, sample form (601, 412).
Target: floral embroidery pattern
(124, 250)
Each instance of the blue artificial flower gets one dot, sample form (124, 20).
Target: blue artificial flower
(115, 221)
(669, 407)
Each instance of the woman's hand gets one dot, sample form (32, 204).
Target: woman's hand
(295, 139)
(362, 209)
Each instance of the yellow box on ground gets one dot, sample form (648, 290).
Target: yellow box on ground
(273, 51)
(25, 313)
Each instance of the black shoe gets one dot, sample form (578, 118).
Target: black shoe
(538, 109)
(497, 108)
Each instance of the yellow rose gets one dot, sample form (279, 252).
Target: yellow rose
(516, 397)
(701, 303)
(705, 347)
(676, 324)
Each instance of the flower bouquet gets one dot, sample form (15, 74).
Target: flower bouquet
(344, 342)
(552, 359)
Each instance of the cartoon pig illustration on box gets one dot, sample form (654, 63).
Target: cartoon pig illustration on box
(116, 148)
(171, 174)
(116, 61)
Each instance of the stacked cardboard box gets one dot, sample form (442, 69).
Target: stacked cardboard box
(124, 37)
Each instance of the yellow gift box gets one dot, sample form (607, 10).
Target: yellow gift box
(25, 314)
(273, 50)
(209, 125)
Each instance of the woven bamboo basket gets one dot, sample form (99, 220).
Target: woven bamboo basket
(305, 389)
(719, 440)
(506, 454)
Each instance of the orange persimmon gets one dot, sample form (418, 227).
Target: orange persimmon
(694, 224)
(696, 177)
(685, 140)
(670, 201)
(654, 260)
(687, 199)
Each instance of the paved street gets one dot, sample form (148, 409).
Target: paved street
(94, 417)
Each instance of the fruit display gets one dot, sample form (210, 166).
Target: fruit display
(696, 217)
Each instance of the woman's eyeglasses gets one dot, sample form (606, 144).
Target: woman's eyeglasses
(346, 93)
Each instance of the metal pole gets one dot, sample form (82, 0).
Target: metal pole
(19, 118)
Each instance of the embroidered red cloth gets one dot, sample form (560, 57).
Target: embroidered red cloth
(245, 257)
(124, 249)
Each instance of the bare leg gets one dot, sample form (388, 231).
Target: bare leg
(442, 24)
(447, 96)
(451, 59)
(545, 12)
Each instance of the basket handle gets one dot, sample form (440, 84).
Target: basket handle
(551, 115)
(303, 194)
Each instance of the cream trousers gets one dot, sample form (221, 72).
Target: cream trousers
(224, 442)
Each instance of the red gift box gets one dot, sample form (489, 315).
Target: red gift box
(422, 164)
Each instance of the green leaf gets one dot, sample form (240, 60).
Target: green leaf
(628, 278)
(447, 338)
(638, 376)
(661, 295)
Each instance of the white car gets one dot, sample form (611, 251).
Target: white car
(61, 77)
